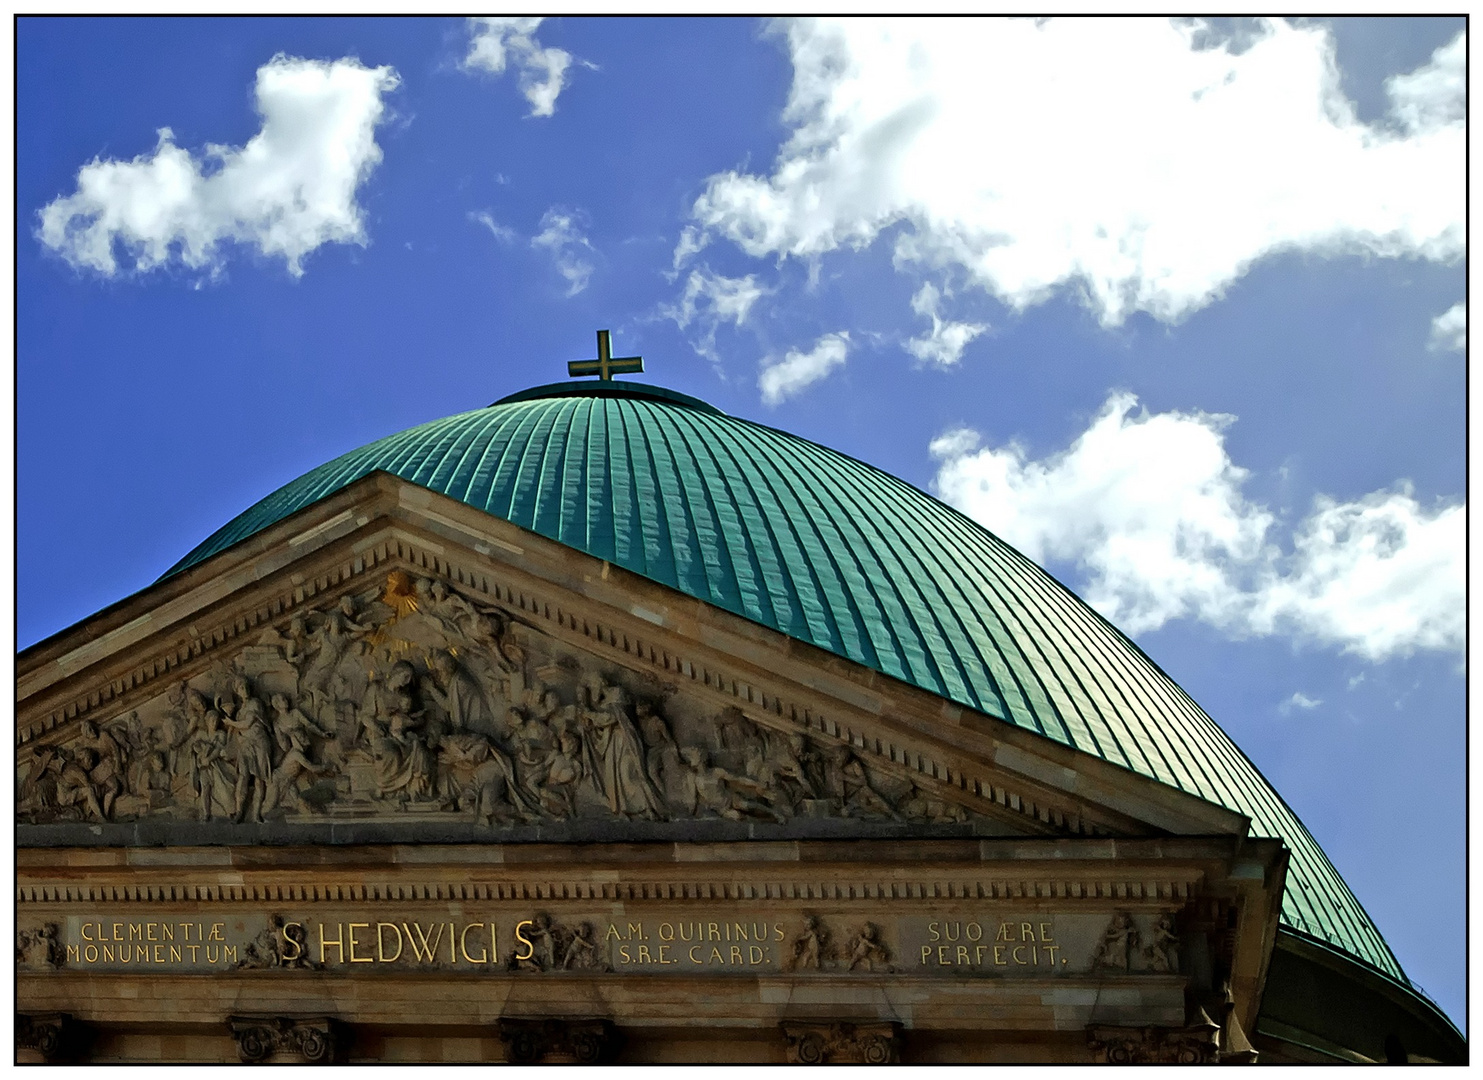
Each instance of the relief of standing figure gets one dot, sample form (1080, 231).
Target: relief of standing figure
(615, 754)
(1115, 949)
(291, 731)
(244, 717)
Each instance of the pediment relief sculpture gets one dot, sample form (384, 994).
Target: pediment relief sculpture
(412, 700)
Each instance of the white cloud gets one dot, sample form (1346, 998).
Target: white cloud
(1435, 95)
(562, 236)
(711, 299)
(1450, 329)
(1299, 700)
(503, 233)
(1150, 509)
(786, 377)
(1150, 506)
(498, 43)
(1129, 159)
(1380, 574)
(290, 189)
(944, 343)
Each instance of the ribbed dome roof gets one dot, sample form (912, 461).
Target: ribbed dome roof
(836, 553)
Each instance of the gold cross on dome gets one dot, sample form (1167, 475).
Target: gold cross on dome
(606, 365)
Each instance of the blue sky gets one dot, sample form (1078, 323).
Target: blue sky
(1176, 309)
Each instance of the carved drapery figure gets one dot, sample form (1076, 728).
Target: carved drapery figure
(1114, 952)
(404, 765)
(845, 780)
(244, 716)
(339, 635)
(662, 756)
(615, 754)
(107, 772)
(36, 794)
(457, 694)
(541, 948)
(480, 779)
(724, 793)
(209, 777)
(293, 732)
(582, 951)
(75, 781)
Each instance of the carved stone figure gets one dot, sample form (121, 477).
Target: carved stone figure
(209, 778)
(253, 750)
(457, 694)
(1161, 952)
(782, 764)
(148, 781)
(582, 950)
(615, 754)
(741, 737)
(293, 733)
(294, 646)
(455, 614)
(266, 949)
(480, 779)
(39, 948)
(1116, 947)
(541, 946)
(404, 765)
(924, 808)
(846, 781)
(338, 636)
(867, 950)
(564, 771)
(810, 947)
(725, 793)
(36, 795)
(107, 772)
(75, 781)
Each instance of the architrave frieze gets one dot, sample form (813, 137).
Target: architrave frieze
(1149, 920)
(383, 524)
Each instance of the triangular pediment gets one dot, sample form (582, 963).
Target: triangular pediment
(391, 664)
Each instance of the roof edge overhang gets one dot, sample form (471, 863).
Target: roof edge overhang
(1380, 995)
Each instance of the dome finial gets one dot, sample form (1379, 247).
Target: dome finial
(606, 365)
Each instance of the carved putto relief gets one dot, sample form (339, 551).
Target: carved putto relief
(39, 948)
(543, 944)
(411, 700)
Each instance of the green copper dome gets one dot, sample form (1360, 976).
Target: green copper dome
(836, 553)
